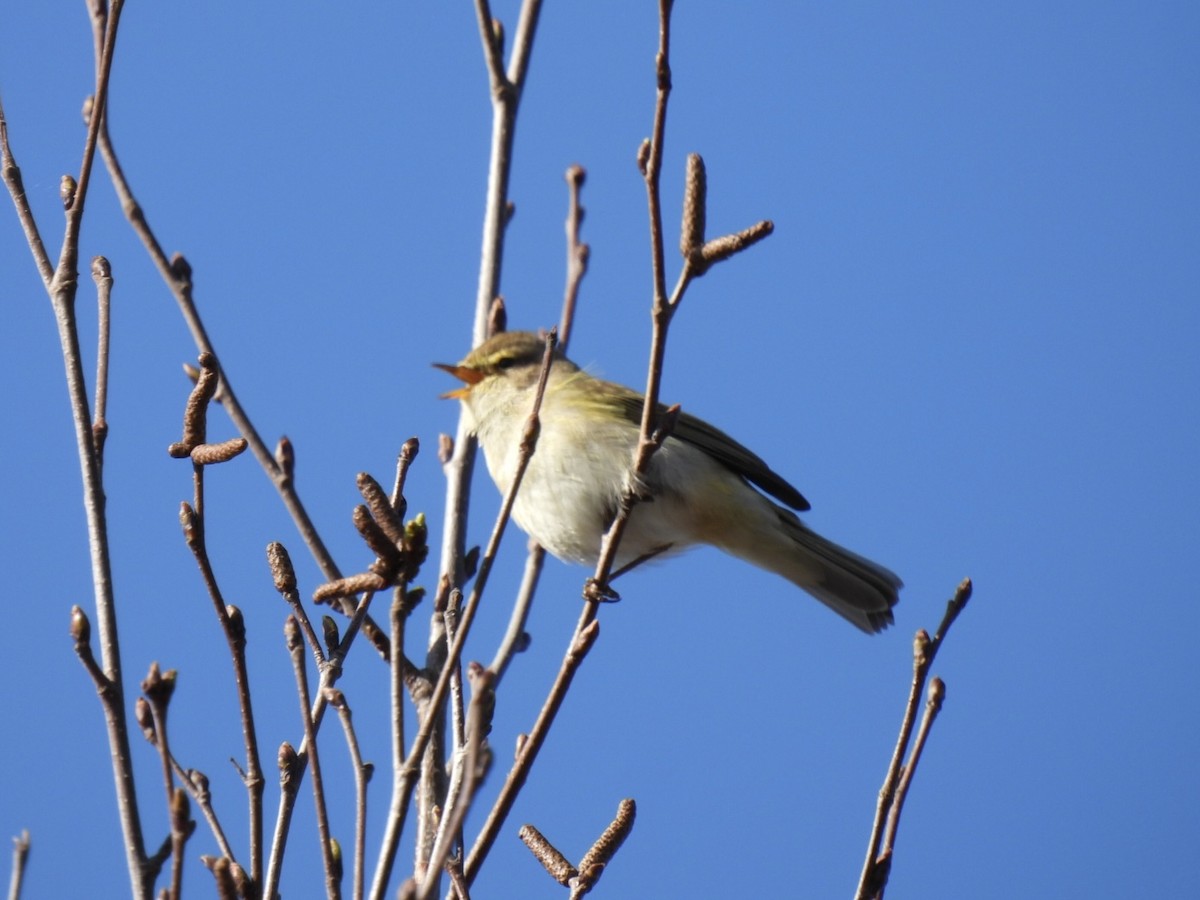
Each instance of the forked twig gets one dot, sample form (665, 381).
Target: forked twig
(877, 865)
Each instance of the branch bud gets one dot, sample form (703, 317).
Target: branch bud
(101, 269)
(190, 523)
(66, 191)
(329, 631)
(81, 628)
(285, 458)
(237, 624)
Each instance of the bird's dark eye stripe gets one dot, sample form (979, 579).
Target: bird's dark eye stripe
(505, 362)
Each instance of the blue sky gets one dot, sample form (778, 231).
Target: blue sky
(971, 342)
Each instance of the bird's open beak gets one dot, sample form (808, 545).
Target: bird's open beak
(471, 376)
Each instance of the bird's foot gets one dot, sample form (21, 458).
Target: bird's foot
(595, 592)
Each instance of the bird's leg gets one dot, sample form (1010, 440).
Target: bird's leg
(603, 593)
(645, 557)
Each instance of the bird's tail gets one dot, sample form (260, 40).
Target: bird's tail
(860, 591)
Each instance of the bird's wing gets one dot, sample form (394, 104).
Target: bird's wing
(724, 449)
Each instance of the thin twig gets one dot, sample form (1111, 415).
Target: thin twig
(233, 628)
(296, 649)
(102, 275)
(577, 255)
(16, 189)
(19, 858)
(515, 637)
(933, 705)
(581, 643)
(662, 307)
(182, 827)
(158, 688)
(483, 699)
(877, 865)
(362, 774)
(293, 764)
(402, 673)
(578, 252)
(196, 784)
(290, 772)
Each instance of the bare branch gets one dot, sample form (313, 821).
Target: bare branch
(296, 649)
(19, 858)
(581, 643)
(877, 865)
(234, 629)
(577, 255)
(362, 775)
(102, 276)
(516, 639)
(11, 173)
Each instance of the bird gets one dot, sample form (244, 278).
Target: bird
(700, 486)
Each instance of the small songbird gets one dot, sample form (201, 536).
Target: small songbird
(697, 489)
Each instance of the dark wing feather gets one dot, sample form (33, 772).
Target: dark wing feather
(725, 450)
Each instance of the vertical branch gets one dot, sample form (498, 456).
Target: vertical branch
(194, 445)
(651, 153)
(295, 644)
(290, 772)
(362, 774)
(506, 97)
(469, 768)
(61, 285)
(506, 89)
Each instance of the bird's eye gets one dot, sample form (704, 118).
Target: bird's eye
(505, 362)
